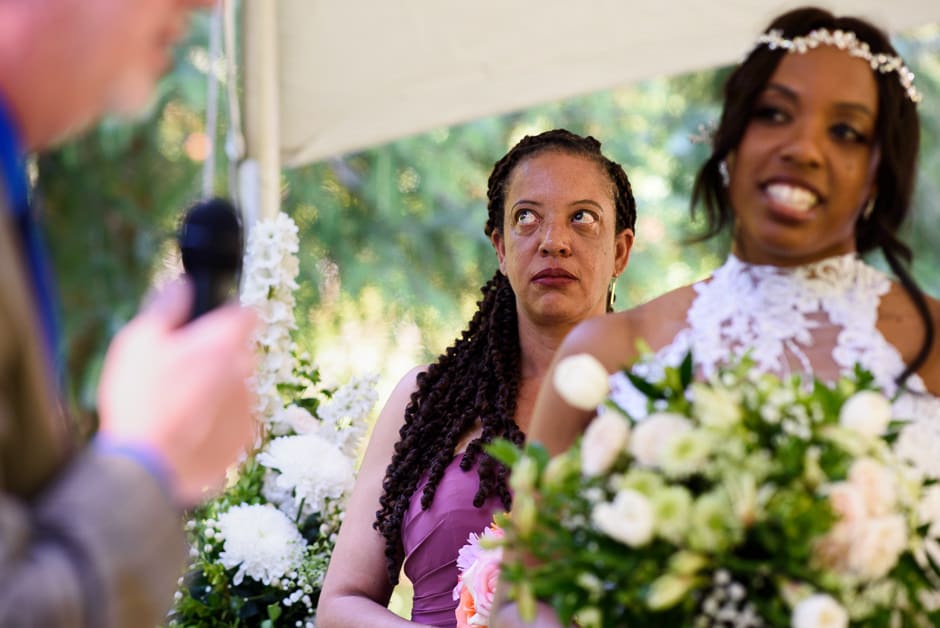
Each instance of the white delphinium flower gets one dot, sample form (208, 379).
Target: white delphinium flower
(268, 285)
(261, 541)
(581, 380)
(344, 415)
(628, 519)
(867, 412)
(314, 469)
(651, 436)
(604, 439)
(819, 611)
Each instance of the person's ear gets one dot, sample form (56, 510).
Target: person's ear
(496, 238)
(623, 244)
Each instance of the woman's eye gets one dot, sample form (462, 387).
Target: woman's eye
(584, 217)
(849, 133)
(770, 113)
(525, 217)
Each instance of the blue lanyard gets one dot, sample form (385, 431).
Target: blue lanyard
(13, 177)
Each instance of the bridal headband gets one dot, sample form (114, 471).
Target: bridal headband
(847, 41)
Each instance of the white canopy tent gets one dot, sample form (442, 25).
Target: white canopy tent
(325, 77)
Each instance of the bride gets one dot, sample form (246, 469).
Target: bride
(813, 165)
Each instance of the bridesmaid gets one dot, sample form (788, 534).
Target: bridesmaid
(561, 219)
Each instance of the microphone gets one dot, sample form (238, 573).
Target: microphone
(210, 241)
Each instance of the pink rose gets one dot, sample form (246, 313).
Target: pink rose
(479, 572)
(480, 580)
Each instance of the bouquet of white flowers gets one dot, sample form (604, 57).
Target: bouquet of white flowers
(260, 550)
(746, 500)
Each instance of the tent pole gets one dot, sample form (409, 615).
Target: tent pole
(261, 175)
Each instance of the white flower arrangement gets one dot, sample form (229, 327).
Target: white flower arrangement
(259, 552)
(745, 500)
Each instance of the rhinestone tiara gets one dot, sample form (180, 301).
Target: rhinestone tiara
(847, 41)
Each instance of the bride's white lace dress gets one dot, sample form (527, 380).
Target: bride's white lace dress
(819, 319)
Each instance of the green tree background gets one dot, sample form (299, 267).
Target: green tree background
(392, 245)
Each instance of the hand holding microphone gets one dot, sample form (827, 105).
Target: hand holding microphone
(175, 378)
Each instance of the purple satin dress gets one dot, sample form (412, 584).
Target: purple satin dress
(431, 539)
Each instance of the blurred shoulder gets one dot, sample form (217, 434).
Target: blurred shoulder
(902, 326)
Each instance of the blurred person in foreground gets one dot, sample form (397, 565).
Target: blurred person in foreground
(91, 535)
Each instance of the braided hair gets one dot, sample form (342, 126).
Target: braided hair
(476, 380)
(897, 133)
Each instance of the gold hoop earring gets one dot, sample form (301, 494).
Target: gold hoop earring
(612, 293)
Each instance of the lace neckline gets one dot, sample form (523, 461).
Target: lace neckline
(819, 317)
(815, 317)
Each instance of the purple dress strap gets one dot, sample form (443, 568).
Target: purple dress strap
(431, 539)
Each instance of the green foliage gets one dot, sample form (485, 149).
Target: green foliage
(397, 228)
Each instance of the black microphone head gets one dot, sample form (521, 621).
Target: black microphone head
(210, 238)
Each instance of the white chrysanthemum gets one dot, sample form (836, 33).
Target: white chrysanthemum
(605, 438)
(628, 519)
(261, 541)
(313, 468)
(581, 380)
(866, 412)
(819, 611)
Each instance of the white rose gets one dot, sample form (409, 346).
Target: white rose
(581, 381)
(603, 440)
(876, 485)
(866, 412)
(650, 436)
(819, 611)
(876, 545)
(715, 407)
(628, 519)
